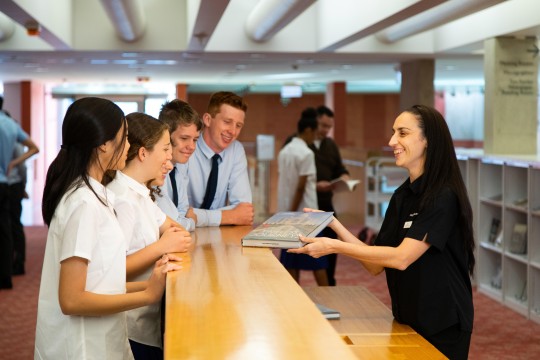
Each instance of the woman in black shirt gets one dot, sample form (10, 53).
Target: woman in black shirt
(426, 241)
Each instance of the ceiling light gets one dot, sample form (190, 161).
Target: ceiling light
(161, 62)
(287, 76)
(125, 62)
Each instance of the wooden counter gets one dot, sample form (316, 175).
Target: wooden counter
(368, 326)
(230, 302)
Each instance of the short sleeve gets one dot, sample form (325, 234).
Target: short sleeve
(159, 214)
(80, 232)
(437, 221)
(307, 164)
(126, 215)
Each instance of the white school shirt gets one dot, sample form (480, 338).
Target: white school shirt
(164, 199)
(140, 218)
(82, 226)
(294, 160)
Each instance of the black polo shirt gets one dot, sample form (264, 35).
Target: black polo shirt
(329, 167)
(435, 291)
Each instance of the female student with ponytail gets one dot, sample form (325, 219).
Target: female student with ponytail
(83, 292)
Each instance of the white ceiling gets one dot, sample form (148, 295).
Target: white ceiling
(204, 43)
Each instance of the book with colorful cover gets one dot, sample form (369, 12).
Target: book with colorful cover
(283, 228)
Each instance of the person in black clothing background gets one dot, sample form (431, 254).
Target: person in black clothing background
(329, 167)
(426, 242)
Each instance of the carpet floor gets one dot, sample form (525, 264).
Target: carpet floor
(499, 333)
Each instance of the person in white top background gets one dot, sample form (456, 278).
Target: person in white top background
(149, 232)
(297, 189)
(185, 125)
(83, 292)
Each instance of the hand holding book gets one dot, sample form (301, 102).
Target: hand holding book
(315, 246)
(282, 230)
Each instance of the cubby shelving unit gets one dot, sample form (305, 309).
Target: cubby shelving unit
(382, 177)
(506, 190)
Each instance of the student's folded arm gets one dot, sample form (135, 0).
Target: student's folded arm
(139, 261)
(242, 214)
(75, 300)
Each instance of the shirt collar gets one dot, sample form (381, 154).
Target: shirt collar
(101, 190)
(133, 184)
(206, 149)
(298, 140)
(414, 187)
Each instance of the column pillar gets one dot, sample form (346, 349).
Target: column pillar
(181, 92)
(336, 99)
(417, 86)
(510, 97)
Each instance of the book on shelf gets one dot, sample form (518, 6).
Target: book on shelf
(340, 184)
(282, 229)
(496, 279)
(328, 313)
(494, 230)
(522, 202)
(518, 242)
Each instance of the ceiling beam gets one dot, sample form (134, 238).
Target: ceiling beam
(21, 16)
(434, 17)
(383, 23)
(208, 16)
(268, 17)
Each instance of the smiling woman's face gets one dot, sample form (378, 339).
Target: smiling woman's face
(409, 144)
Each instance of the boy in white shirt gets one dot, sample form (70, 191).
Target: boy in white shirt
(185, 126)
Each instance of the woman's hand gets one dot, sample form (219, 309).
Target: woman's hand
(175, 239)
(311, 210)
(315, 247)
(156, 282)
(330, 224)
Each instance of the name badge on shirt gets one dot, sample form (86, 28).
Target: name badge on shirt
(407, 224)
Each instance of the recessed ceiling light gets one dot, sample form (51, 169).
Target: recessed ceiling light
(99, 62)
(125, 62)
(161, 62)
(287, 76)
